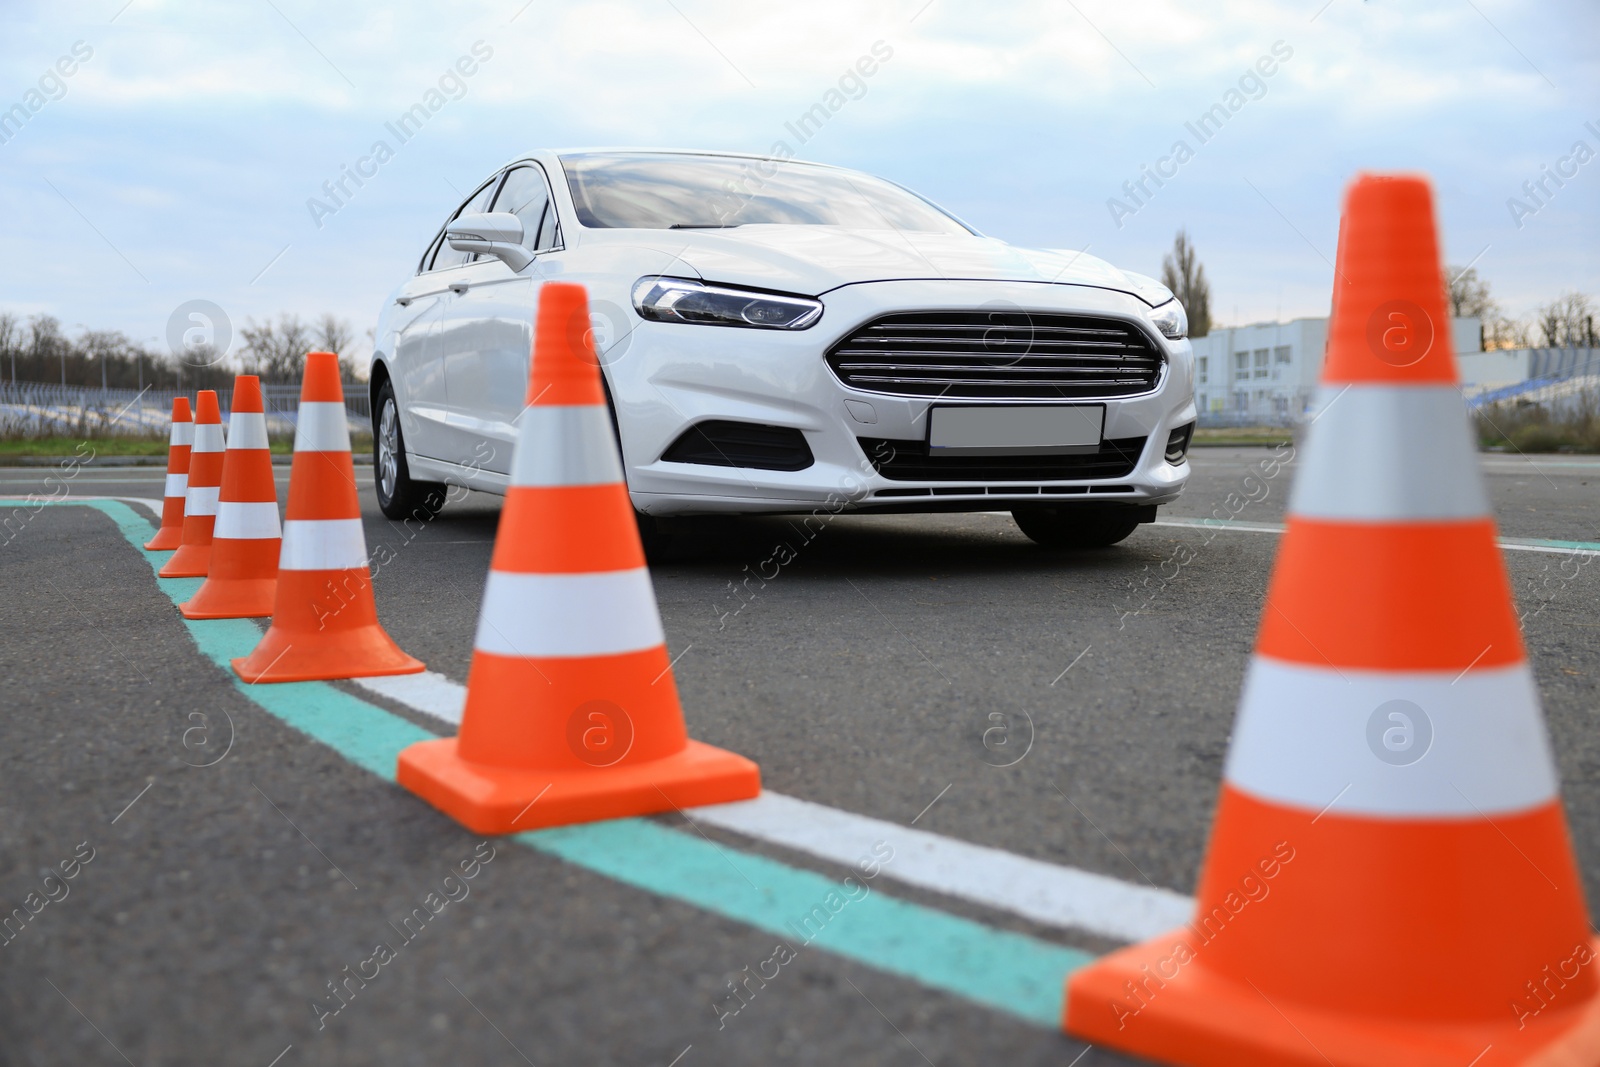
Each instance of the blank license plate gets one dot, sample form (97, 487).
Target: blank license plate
(1015, 431)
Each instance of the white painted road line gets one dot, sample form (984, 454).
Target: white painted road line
(1510, 544)
(429, 692)
(1044, 892)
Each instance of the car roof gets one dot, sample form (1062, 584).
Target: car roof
(627, 150)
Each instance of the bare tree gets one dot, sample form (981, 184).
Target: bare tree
(1469, 294)
(10, 340)
(336, 335)
(1182, 273)
(276, 351)
(1502, 331)
(1566, 322)
(45, 341)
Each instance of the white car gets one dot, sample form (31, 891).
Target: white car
(779, 336)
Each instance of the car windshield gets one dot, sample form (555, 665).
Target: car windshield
(657, 191)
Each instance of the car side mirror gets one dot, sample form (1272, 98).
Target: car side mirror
(493, 233)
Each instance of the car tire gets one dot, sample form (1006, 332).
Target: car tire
(399, 495)
(1080, 527)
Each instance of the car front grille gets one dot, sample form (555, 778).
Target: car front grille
(1008, 354)
(909, 461)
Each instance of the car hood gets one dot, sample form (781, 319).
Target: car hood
(811, 260)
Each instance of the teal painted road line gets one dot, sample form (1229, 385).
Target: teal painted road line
(1020, 975)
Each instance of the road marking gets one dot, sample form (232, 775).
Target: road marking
(1014, 973)
(1043, 892)
(429, 692)
(1510, 544)
(1048, 893)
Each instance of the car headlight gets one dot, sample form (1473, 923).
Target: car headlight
(1170, 319)
(682, 300)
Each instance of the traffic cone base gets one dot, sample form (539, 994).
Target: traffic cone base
(232, 598)
(168, 537)
(1188, 1005)
(302, 646)
(189, 561)
(489, 799)
(1208, 1020)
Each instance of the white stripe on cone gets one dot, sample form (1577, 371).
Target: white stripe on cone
(594, 614)
(565, 445)
(321, 426)
(201, 500)
(208, 437)
(323, 545)
(247, 429)
(177, 485)
(182, 433)
(1392, 743)
(252, 520)
(1386, 453)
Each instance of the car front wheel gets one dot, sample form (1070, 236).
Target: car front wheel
(399, 496)
(1081, 526)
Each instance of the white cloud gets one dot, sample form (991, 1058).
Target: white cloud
(196, 133)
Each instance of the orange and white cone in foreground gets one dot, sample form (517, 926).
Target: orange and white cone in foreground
(243, 578)
(170, 535)
(324, 619)
(1389, 880)
(193, 557)
(572, 714)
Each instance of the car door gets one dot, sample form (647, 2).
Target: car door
(420, 354)
(419, 380)
(486, 328)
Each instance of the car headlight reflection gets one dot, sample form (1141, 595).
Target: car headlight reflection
(1170, 319)
(682, 300)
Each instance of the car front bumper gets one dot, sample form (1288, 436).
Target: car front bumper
(669, 377)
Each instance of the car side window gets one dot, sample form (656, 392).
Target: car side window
(526, 195)
(445, 257)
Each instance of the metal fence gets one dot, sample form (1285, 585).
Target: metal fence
(1234, 420)
(43, 409)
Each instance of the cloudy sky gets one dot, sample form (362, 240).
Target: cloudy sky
(176, 161)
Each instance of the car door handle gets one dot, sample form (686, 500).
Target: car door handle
(460, 287)
(403, 301)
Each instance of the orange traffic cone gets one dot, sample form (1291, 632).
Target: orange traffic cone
(324, 620)
(170, 535)
(193, 556)
(243, 578)
(570, 700)
(1390, 880)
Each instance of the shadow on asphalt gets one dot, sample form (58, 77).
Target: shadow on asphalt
(954, 543)
(872, 545)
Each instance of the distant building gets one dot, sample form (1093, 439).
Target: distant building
(1267, 372)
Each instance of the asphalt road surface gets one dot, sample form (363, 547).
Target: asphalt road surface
(220, 900)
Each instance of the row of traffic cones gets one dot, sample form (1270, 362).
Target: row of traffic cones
(570, 700)
(220, 514)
